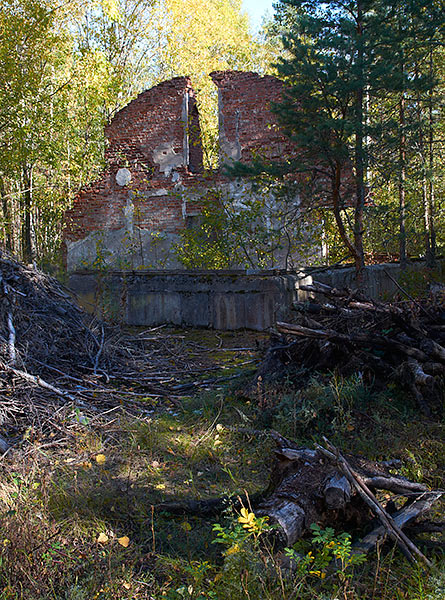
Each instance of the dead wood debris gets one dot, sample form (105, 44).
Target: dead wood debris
(325, 487)
(57, 361)
(333, 490)
(340, 330)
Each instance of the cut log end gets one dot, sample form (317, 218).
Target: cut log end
(337, 492)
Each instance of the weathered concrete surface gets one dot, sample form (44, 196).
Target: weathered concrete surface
(377, 284)
(216, 299)
(128, 247)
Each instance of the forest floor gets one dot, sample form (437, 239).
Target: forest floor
(80, 516)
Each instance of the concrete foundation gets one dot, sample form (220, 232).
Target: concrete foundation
(223, 300)
(215, 299)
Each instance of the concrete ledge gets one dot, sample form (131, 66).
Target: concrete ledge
(224, 300)
(215, 299)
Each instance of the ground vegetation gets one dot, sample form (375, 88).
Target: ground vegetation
(142, 463)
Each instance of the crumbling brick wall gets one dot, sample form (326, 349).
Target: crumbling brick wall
(136, 210)
(247, 126)
(147, 152)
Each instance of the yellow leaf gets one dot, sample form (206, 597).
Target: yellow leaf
(320, 574)
(160, 486)
(127, 586)
(247, 519)
(233, 550)
(103, 538)
(186, 526)
(101, 459)
(124, 541)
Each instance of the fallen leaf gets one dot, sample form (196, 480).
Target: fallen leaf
(103, 538)
(101, 459)
(124, 541)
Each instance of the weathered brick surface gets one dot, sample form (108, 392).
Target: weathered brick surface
(246, 124)
(149, 138)
(157, 139)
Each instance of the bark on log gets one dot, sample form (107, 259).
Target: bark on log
(337, 491)
(397, 485)
(289, 517)
(402, 517)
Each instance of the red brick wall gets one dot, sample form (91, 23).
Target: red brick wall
(151, 125)
(246, 122)
(151, 138)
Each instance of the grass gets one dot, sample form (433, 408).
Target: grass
(56, 502)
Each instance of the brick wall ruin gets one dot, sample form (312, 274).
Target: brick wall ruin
(137, 209)
(246, 125)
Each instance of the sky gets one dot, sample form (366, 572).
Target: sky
(256, 10)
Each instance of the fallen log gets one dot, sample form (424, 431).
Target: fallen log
(337, 491)
(321, 486)
(322, 288)
(361, 339)
(209, 507)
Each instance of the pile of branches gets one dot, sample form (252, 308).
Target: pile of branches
(41, 326)
(60, 365)
(45, 338)
(341, 330)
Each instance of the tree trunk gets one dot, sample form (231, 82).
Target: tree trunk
(359, 157)
(402, 183)
(7, 217)
(426, 206)
(27, 194)
(431, 253)
(357, 254)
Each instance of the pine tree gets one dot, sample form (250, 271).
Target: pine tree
(340, 57)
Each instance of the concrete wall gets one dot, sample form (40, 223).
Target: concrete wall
(215, 299)
(377, 281)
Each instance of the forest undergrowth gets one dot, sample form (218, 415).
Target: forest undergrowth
(81, 517)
